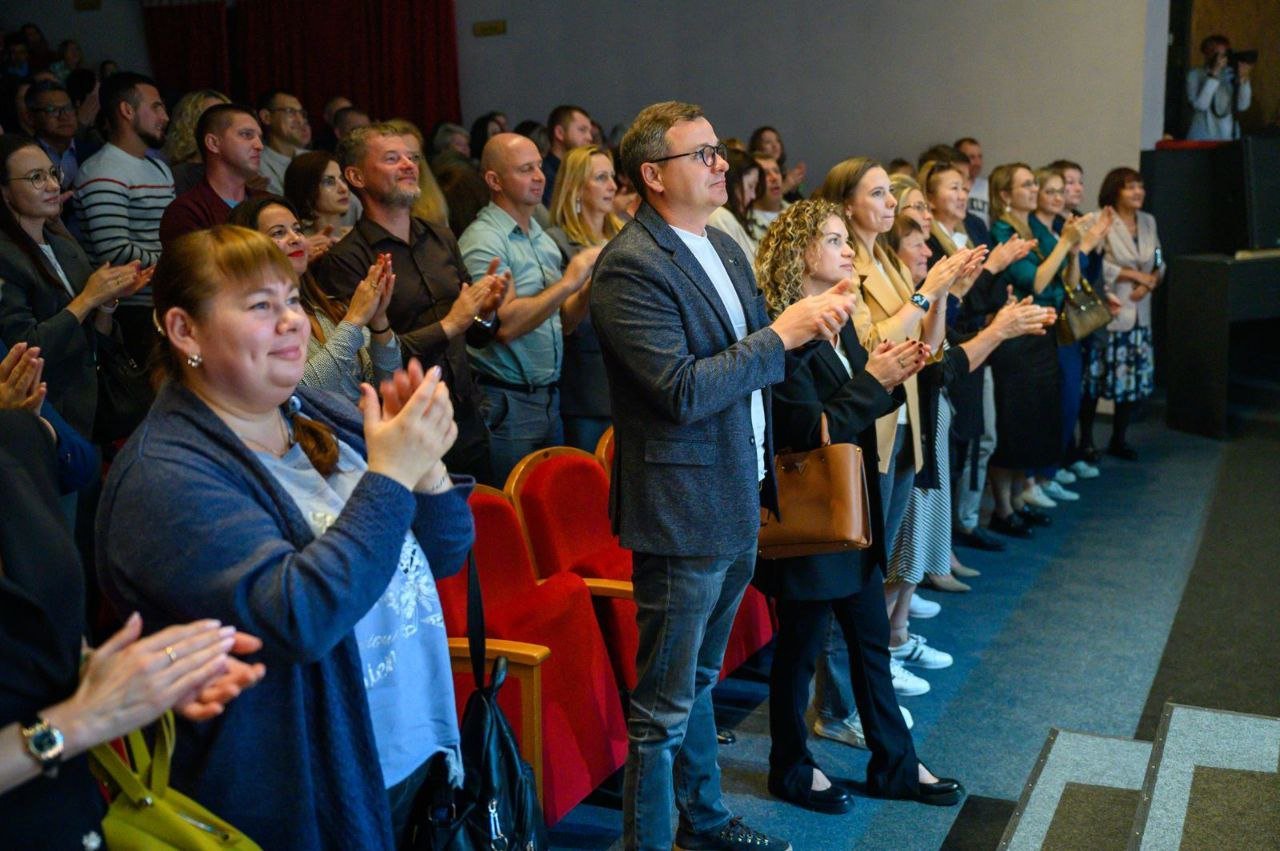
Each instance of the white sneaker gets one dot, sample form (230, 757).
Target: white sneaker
(922, 608)
(1085, 470)
(914, 651)
(1064, 476)
(1058, 492)
(1034, 495)
(905, 683)
(849, 731)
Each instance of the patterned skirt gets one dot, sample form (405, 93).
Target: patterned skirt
(923, 542)
(1124, 369)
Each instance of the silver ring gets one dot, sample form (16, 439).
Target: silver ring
(168, 651)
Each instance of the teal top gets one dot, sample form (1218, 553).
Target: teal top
(534, 261)
(1022, 273)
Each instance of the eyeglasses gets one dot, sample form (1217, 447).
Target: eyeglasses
(919, 207)
(290, 111)
(707, 154)
(58, 111)
(51, 175)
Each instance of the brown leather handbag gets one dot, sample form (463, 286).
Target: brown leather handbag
(1083, 312)
(823, 497)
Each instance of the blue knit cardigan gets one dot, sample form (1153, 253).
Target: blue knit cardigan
(191, 525)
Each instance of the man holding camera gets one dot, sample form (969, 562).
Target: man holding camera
(1219, 90)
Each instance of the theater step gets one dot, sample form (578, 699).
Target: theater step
(1213, 782)
(1082, 794)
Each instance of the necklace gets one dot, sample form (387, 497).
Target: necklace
(284, 436)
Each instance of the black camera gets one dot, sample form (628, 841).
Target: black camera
(1249, 57)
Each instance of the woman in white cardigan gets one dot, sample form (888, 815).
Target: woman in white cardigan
(1132, 267)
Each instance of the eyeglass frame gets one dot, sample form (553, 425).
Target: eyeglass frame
(56, 111)
(39, 176)
(291, 111)
(720, 149)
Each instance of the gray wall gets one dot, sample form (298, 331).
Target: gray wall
(1034, 80)
(112, 32)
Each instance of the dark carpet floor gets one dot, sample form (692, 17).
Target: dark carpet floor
(1068, 630)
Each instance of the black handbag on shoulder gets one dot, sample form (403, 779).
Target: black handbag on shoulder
(124, 391)
(497, 807)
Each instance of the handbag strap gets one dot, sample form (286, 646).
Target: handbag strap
(475, 621)
(149, 778)
(824, 430)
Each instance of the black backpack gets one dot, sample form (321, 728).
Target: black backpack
(497, 807)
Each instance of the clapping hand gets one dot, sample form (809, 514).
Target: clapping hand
(20, 384)
(373, 294)
(409, 431)
(319, 243)
(212, 699)
(1097, 232)
(817, 316)
(893, 363)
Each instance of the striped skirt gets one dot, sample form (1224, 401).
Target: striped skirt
(923, 542)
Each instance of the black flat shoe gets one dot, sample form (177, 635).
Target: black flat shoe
(945, 793)
(1123, 451)
(833, 801)
(979, 539)
(1034, 516)
(1013, 526)
(1090, 455)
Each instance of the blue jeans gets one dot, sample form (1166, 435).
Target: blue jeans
(519, 423)
(833, 689)
(685, 611)
(585, 432)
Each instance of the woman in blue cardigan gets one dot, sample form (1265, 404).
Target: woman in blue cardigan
(283, 511)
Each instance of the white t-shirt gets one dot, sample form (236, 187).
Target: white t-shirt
(706, 255)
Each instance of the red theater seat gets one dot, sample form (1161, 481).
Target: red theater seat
(583, 730)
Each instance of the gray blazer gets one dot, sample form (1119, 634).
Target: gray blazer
(684, 467)
(1121, 251)
(34, 311)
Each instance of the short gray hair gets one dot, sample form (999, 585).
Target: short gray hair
(646, 139)
(352, 147)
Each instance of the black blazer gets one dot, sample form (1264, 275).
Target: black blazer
(41, 624)
(34, 311)
(684, 470)
(819, 384)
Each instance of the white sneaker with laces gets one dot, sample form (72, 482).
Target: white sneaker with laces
(1064, 476)
(1034, 495)
(915, 651)
(1085, 470)
(1058, 492)
(905, 683)
(849, 730)
(922, 608)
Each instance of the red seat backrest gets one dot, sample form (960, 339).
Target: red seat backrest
(506, 571)
(565, 502)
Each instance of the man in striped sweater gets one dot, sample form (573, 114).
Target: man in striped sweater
(121, 193)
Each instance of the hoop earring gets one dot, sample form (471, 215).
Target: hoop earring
(195, 360)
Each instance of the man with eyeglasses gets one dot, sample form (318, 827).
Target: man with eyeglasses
(436, 309)
(690, 355)
(287, 133)
(519, 374)
(230, 144)
(54, 118)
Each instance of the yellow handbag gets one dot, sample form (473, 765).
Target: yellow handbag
(146, 813)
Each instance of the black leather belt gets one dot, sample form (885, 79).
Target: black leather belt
(490, 381)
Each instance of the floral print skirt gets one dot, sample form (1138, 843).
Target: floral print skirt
(1122, 369)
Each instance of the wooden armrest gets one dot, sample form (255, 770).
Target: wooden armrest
(619, 588)
(517, 652)
(524, 663)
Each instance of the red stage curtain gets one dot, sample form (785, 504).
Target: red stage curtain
(187, 43)
(394, 58)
